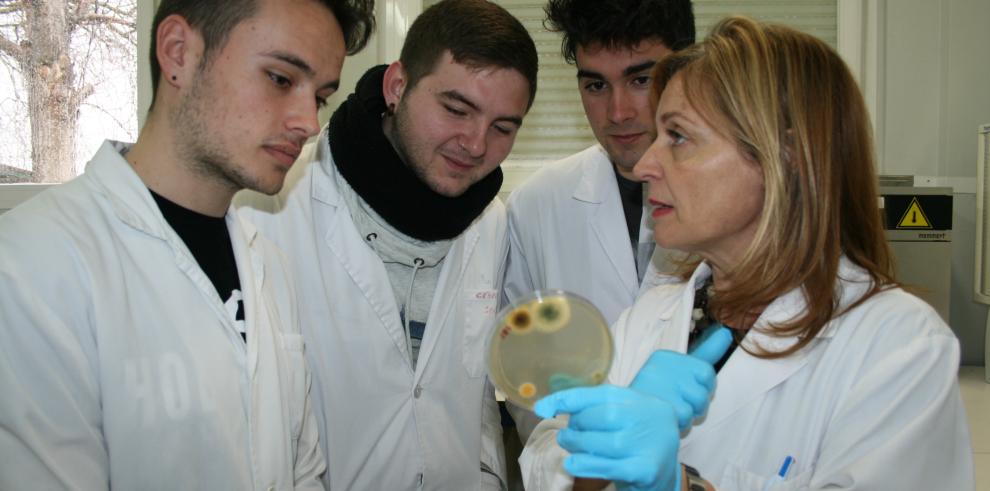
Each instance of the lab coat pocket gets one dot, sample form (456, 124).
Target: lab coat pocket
(293, 349)
(479, 312)
(736, 478)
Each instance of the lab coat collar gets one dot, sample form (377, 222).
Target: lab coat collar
(598, 189)
(251, 272)
(686, 298)
(745, 378)
(247, 248)
(132, 203)
(338, 233)
(125, 191)
(324, 185)
(248, 230)
(596, 179)
(131, 199)
(365, 267)
(598, 182)
(853, 281)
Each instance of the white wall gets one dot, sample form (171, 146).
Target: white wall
(932, 86)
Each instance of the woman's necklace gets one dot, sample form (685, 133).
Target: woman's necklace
(701, 316)
(702, 320)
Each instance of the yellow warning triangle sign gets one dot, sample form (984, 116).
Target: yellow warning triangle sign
(914, 217)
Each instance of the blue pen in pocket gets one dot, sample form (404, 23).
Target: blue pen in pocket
(780, 475)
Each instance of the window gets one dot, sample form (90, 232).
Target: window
(817, 17)
(68, 79)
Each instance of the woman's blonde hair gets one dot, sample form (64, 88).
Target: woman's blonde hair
(791, 105)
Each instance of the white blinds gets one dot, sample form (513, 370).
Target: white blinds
(817, 17)
(556, 126)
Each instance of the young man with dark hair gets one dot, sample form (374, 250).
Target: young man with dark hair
(150, 338)
(215, 20)
(578, 224)
(397, 245)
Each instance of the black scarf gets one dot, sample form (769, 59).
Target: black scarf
(371, 166)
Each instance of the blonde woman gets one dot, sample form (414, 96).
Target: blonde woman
(833, 377)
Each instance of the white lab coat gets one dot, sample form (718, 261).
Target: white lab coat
(119, 365)
(872, 403)
(382, 425)
(567, 231)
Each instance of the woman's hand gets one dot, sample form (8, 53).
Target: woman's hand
(618, 434)
(631, 435)
(686, 382)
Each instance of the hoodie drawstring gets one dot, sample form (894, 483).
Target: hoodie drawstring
(417, 263)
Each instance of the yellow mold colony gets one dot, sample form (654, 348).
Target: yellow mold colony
(527, 390)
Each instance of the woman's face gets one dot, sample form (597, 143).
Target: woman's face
(705, 196)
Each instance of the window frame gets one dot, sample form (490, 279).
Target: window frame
(14, 194)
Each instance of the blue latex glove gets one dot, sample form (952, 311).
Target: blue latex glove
(619, 434)
(685, 381)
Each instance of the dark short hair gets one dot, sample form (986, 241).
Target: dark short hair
(478, 33)
(620, 23)
(216, 18)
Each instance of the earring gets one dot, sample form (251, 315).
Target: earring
(173, 78)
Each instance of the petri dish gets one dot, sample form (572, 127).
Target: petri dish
(547, 341)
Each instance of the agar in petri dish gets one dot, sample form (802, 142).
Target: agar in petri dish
(548, 341)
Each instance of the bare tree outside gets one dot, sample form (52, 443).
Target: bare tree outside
(63, 61)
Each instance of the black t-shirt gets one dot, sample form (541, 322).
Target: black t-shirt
(209, 241)
(631, 193)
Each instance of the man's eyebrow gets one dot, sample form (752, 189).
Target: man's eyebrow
(516, 120)
(303, 66)
(589, 74)
(457, 96)
(630, 70)
(639, 67)
(292, 60)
